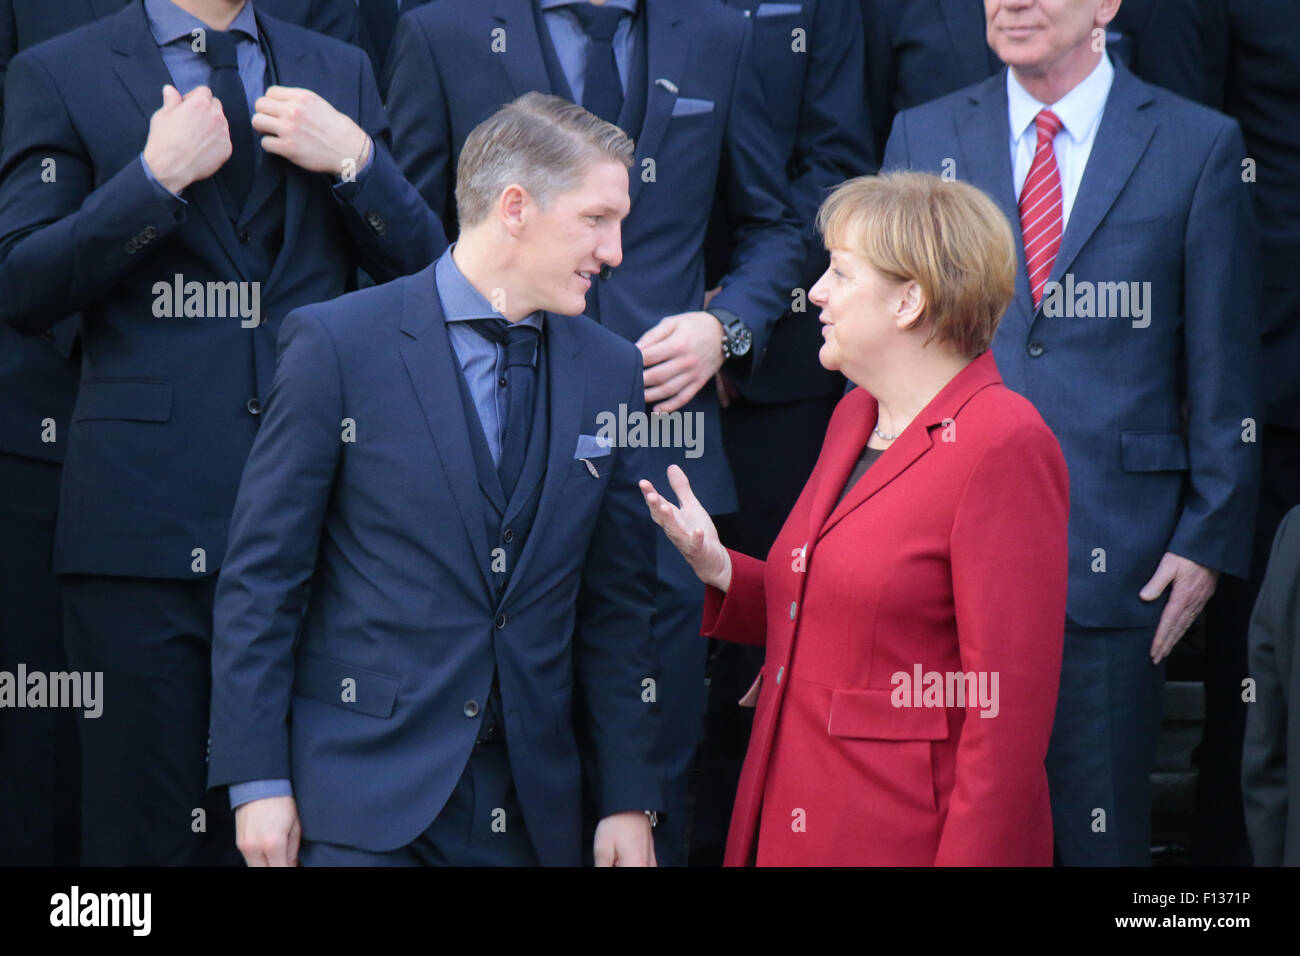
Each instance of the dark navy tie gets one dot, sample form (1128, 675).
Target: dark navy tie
(237, 173)
(602, 91)
(520, 380)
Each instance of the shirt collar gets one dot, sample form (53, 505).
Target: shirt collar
(628, 5)
(1078, 110)
(461, 302)
(170, 23)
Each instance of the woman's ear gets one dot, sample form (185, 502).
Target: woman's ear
(910, 306)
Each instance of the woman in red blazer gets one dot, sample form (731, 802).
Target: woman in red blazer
(913, 606)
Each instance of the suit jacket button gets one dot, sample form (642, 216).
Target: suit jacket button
(244, 237)
(471, 708)
(508, 536)
(254, 406)
(130, 248)
(794, 606)
(1035, 349)
(501, 621)
(150, 232)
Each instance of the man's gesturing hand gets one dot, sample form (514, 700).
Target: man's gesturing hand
(1193, 585)
(625, 839)
(267, 831)
(303, 128)
(690, 529)
(188, 139)
(680, 355)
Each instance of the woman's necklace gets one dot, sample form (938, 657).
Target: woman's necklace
(881, 435)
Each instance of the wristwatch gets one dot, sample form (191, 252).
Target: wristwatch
(738, 339)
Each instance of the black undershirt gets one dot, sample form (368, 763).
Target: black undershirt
(865, 461)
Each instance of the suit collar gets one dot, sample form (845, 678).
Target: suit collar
(985, 132)
(844, 445)
(1126, 129)
(430, 364)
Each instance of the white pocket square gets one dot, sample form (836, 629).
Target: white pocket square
(685, 106)
(591, 446)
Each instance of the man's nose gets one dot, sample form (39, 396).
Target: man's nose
(610, 248)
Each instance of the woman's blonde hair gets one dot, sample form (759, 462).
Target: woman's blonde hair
(947, 236)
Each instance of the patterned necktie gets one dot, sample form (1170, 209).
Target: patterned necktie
(520, 380)
(237, 172)
(1041, 206)
(602, 90)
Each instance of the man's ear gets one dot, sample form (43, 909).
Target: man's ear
(512, 208)
(910, 306)
(1106, 13)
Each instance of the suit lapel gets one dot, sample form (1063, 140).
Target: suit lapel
(431, 366)
(140, 67)
(667, 44)
(288, 67)
(986, 135)
(1121, 140)
(522, 60)
(915, 441)
(567, 382)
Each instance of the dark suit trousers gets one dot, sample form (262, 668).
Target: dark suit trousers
(1219, 824)
(1103, 747)
(481, 824)
(39, 803)
(678, 614)
(144, 759)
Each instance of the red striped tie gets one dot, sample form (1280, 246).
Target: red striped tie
(1041, 206)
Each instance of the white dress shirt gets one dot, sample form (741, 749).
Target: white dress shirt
(1080, 113)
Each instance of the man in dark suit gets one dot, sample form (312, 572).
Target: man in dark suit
(679, 78)
(1133, 332)
(38, 380)
(919, 50)
(810, 63)
(182, 233)
(1269, 775)
(467, 562)
(1252, 48)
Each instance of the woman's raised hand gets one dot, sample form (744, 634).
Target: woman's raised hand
(690, 529)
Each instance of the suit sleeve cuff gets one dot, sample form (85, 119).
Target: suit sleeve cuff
(348, 186)
(163, 191)
(241, 793)
(739, 615)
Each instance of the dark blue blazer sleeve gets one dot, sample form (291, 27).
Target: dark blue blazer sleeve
(62, 241)
(263, 586)
(767, 243)
(614, 651)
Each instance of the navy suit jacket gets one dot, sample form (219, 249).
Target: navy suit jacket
(167, 407)
(445, 79)
(813, 87)
(1151, 419)
(38, 374)
(382, 542)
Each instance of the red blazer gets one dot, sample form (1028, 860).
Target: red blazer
(949, 556)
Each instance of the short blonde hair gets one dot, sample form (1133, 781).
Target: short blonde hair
(544, 143)
(947, 236)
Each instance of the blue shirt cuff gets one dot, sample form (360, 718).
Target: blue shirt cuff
(345, 188)
(241, 793)
(157, 185)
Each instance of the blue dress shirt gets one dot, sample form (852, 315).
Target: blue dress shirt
(173, 30)
(571, 42)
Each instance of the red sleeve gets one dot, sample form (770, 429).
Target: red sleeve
(740, 614)
(1009, 573)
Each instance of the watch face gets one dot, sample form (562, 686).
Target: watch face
(740, 340)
